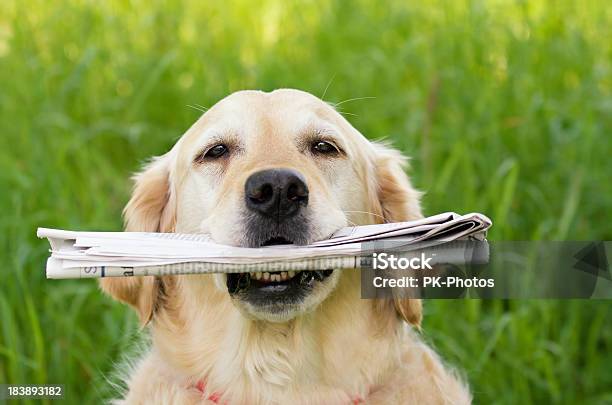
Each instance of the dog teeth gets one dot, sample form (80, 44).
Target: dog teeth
(275, 277)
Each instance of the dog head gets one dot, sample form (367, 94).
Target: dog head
(261, 169)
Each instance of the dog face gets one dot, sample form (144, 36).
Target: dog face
(269, 169)
(262, 169)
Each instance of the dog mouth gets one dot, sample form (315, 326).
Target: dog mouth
(274, 288)
(273, 291)
(274, 281)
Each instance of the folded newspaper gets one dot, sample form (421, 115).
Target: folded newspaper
(117, 254)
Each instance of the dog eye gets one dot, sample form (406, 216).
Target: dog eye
(324, 148)
(216, 152)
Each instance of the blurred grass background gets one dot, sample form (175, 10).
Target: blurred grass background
(505, 107)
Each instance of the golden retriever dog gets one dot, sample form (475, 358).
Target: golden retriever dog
(260, 169)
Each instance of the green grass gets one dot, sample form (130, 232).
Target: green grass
(505, 107)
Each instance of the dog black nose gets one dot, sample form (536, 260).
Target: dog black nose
(276, 193)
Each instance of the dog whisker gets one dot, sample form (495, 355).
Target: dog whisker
(198, 107)
(367, 212)
(352, 99)
(327, 87)
(351, 223)
(347, 113)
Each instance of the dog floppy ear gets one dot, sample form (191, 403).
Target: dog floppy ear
(395, 200)
(150, 209)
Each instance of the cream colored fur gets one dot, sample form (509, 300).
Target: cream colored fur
(340, 349)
